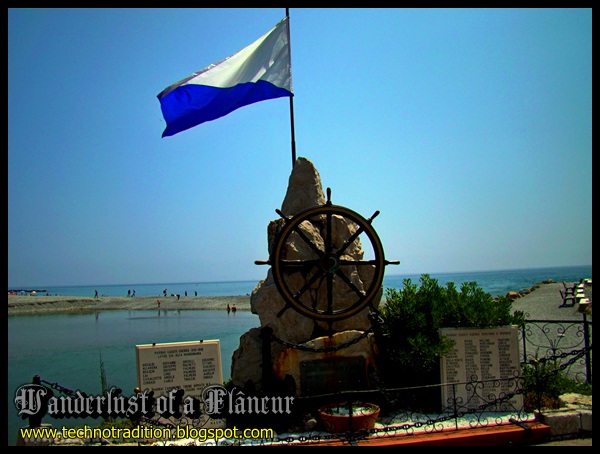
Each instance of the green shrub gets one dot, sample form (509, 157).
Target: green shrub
(412, 317)
(543, 384)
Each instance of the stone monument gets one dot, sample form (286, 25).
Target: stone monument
(291, 349)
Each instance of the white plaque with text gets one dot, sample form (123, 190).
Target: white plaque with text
(489, 356)
(190, 366)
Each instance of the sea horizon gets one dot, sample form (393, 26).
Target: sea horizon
(440, 273)
(485, 278)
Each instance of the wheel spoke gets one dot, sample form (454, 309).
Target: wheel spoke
(350, 240)
(350, 284)
(329, 293)
(310, 282)
(298, 263)
(308, 241)
(283, 309)
(328, 239)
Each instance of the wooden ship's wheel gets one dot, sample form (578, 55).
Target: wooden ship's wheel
(328, 262)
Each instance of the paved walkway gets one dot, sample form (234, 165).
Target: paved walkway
(574, 442)
(543, 303)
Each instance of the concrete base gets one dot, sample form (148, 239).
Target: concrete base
(567, 422)
(483, 436)
(586, 420)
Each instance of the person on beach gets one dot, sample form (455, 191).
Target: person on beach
(165, 293)
(158, 302)
(233, 308)
(129, 292)
(95, 293)
(228, 308)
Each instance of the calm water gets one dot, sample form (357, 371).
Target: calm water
(66, 349)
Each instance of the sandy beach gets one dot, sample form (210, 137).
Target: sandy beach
(39, 304)
(542, 302)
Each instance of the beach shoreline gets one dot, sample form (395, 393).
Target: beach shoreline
(539, 301)
(40, 305)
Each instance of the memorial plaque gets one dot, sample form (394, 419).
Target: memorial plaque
(190, 366)
(481, 355)
(330, 375)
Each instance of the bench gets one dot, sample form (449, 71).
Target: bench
(569, 289)
(568, 300)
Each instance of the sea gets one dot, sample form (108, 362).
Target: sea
(496, 283)
(75, 350)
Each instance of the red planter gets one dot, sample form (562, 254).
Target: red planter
(336, 417)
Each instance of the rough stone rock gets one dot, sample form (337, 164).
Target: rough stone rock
(287, 323)
(304, 188)
(246, 361)
(575, 400)
(513, 295)
(266, 302)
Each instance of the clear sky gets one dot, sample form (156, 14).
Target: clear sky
(470, 130)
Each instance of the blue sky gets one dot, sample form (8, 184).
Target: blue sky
(470, 130)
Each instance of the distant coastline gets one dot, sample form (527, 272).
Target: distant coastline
(496, 282)
(39, 305)
(216, 295)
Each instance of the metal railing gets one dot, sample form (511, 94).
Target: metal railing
(566, 345)
(560, 340)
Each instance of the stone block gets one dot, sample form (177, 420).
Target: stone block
(562, 422)
(586, 420)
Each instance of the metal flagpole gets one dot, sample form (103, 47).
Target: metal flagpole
(287, 14)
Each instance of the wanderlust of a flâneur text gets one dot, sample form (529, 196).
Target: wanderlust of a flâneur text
(37, 401)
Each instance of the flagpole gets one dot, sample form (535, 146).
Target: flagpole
(287, 14)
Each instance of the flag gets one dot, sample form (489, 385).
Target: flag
(259, 72)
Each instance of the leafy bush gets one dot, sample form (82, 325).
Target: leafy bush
(411, 319)
(543, 384)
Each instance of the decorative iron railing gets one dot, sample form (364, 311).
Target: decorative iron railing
(565, 345)
(559, 340)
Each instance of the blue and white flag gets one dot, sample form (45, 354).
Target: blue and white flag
(256, 73)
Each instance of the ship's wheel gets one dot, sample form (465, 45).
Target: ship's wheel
(327, 262)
